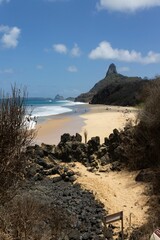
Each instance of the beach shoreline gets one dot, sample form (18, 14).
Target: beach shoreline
(97, 120)
(117, 190)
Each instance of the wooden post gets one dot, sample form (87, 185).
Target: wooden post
(116, 217)
(122, 226)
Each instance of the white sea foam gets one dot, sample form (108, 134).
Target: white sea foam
(45, 111)
(69, 103)
(49, 110)
(42, 111)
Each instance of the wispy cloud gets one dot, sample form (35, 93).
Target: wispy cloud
(127, 5)
(60, 48)
(106, 51)
(75, 51)
(3, 1)
(39, 67)
(6, 71)
(63, 49)
(47, 50)
(10, 35)
(123, 69)
(56, 0)
(72, 69)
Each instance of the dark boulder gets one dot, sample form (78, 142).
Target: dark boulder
(42, 162)
(66, 137)
(93, 144)
(78, 137)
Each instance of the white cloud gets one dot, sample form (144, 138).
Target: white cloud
(72, 69)
(75, 51)
(105, 51)
(10, 36)
(2, 1)
(60, 48)
(127, 5)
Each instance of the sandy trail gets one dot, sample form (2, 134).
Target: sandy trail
(118, 191)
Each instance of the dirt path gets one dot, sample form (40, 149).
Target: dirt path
(119, 192)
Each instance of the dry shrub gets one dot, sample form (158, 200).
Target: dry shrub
(14, 138)
(150, 114)
(149, 123)
(26, 212)
(143, 147)
(34, 218)
(136, 149)
(60, 223)
(5, 236)
(142, 233)
(133, 148)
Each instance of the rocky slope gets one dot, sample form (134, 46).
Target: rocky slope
(115, 89)
(121, 94)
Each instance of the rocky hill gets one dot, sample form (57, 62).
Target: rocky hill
(122, 94)
(58, 98)
(114, 89)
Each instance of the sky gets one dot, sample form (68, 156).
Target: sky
(66, 46)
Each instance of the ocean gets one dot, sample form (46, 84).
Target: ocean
(41, 109)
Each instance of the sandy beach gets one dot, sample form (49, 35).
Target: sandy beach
(100, 121)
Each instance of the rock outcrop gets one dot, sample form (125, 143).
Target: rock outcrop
(58, 98)
(121, 94)
(111, 70)
(48, 160)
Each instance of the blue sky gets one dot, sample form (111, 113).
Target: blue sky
(65, 46)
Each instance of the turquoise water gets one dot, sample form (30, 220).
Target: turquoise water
(48, 107)
(42, 109)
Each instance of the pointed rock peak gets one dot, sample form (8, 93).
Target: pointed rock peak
(111, 70)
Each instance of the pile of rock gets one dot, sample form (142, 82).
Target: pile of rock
(50, 164)
(47, 159)
(87, 210)
(42, 163)
(80, 205)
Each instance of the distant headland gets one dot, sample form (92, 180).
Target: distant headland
(115, 89)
